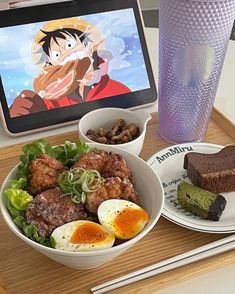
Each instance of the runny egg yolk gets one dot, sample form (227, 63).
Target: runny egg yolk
(129, 222)
(122, 218)
(82, 235)
(88, 233)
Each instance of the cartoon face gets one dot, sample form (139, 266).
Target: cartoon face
(67, 48)
(64, 48)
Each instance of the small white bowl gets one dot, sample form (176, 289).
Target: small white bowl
(105, 117)
(147, 184)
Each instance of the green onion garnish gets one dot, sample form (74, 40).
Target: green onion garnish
(78, 181)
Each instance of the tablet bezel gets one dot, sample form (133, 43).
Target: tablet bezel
(41, 120)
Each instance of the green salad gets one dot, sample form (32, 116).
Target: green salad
(73, 182)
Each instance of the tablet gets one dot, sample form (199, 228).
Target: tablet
(59, 61)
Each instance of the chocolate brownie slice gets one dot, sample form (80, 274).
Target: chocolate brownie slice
(213, 172)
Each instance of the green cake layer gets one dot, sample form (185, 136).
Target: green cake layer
(201, 202)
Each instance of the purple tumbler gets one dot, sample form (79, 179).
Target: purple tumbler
(194, 37)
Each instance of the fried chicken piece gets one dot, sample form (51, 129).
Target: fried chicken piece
(43, 173)
(112, 188)
(50, 209)
(107, 163)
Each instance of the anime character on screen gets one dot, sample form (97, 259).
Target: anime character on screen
(74, 66)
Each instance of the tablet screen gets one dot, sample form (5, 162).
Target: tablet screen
(65, 62)
(59, 61)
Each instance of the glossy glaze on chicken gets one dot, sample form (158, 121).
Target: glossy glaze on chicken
(52, 208)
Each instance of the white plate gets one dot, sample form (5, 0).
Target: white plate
(168, 163)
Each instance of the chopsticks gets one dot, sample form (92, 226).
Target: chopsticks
(199, 253)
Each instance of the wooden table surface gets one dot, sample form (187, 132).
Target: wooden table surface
(25, 271)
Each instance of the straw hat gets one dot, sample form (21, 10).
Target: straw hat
(74, 23)
(71, 23)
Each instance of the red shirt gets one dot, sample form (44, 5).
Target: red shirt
(104, 89)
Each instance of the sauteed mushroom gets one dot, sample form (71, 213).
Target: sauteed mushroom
(119, 133)
(124, 133)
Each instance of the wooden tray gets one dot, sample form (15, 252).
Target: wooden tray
(25, 271)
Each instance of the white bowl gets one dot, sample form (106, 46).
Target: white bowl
(147, 184)
(105, 117)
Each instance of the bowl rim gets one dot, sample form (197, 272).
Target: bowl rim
(123, 246)
(110, 108)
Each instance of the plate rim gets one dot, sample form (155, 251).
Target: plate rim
(173, 217)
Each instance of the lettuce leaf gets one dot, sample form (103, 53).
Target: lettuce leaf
(18, 199)
(69, 152)
(52, 242)
(13, 211)
(31, 231)
(21, 183)
(19, 221)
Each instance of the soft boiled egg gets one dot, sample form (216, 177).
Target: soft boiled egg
(81, 236)
(123, 218)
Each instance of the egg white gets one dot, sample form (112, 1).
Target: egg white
(60, 238)
(110, 209)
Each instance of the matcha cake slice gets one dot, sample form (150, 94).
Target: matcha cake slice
(201, 202)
